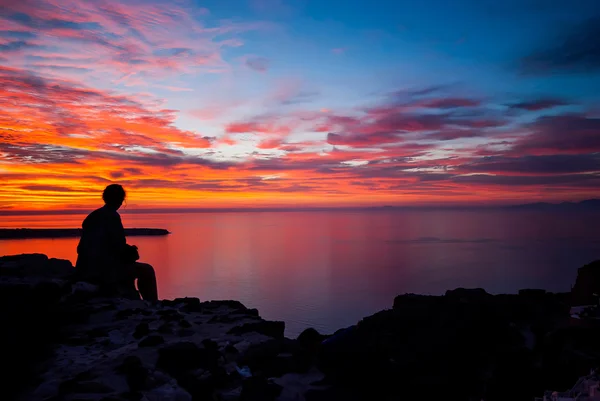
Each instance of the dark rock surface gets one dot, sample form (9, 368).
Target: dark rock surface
(587, 284)
(65, 340)
(465, 345)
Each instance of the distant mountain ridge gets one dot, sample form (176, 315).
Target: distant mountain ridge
(589, 204)
(585, 205)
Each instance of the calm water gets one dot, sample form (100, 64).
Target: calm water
(327, 270)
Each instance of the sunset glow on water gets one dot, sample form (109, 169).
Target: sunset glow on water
(328, 270)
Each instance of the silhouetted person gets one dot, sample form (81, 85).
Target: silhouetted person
(104, 257)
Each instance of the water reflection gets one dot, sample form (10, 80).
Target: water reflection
(328, 270)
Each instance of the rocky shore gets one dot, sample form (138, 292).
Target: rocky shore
(64, 340)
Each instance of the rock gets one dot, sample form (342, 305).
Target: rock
(465, 345)
(128, 362)
(310, 338)
(252, 312)
(170, 315)
(132, 396)
(126, 313)
(168, 392)
(59, 268)
(259, 389)
(236, 305)
(230, 395)
(178, 358)
(97, 332)
(116, 337)
(189, 304)
(26, 264)
(230, 349)
(467, 294)
(135, 373)
(532, 293)
(225, 319)
(269, 328)
(200, 387)
(587, 284)
(48, 291)
(210, 345)
(185, 333)
(83, 288)
(165, 328)
(185, 324)
(88, 387)
(151, 341)
(141, 330)
(271, 359)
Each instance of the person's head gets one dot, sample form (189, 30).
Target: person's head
(114, 196)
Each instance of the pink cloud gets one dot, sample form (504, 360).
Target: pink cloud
(128, 42)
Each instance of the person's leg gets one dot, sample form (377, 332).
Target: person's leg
(146, 281)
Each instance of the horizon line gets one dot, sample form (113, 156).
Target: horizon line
(167, 210)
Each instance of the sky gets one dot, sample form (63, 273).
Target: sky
(262, 103)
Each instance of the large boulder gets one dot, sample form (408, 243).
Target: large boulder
(466, 344)
(273, 329)
(587, 284)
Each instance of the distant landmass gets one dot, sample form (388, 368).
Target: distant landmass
(590, 204)
(585, 205)
(30, 233)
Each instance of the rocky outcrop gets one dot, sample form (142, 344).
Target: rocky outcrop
(587, 284)
(67, 341)
(73, 344)
(465, 345)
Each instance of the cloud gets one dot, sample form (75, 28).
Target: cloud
(568, 180)
(136, 43)
(47, 188)
(22, 35)
(575, 50)
(568, 133)
(260, 64)
(64, 135)
(300, 97)
(360, 140)
(451, 103)
(57, 109)
(538, 104)
(548, 164)
(16, 45)
(452, 134)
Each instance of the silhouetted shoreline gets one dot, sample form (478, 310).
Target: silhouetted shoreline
(36, 233)
(582, 206)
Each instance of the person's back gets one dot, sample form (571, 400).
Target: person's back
(101, 245)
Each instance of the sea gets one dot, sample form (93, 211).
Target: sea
(328, 270)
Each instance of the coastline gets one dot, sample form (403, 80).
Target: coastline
(72, 342)
(38, 233)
